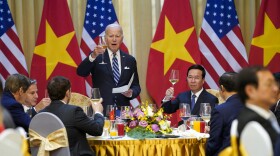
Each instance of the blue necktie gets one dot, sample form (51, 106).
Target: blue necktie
(116, 71)
(193, 101)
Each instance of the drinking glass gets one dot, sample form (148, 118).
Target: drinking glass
(120, 127)
(113, 128)
(201, 107)
(106, 126)
(154, 107)
(185, 112)
(206, 114)
(110, 112)
(174, 77)
(95, 94)
(103, 44)
(126, 113)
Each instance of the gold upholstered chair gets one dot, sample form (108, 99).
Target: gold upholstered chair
(78, 99)
(217, 94)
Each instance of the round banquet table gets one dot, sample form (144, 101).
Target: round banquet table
(148, 147)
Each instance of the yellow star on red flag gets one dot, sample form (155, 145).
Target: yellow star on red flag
(173, 45)
(55, 50)
(269, 41)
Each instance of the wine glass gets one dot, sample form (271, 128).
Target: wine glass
(153, 107)
(106, 126)
(126, 113)
(174, 77)
(185, 112)
(202, 105)
(206, 113)
(103, 44)
(95, 94)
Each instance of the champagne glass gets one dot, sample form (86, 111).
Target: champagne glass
(185, 112)
(174, 77)
(103, 44)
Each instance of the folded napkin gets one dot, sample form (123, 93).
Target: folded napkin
(190, 133)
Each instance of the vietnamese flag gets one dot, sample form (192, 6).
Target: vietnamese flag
(57, 50)
(174, 46)
(265, 46)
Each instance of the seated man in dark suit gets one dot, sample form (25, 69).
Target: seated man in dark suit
(196, 95)
(258, 90)
(30, 103)
(77, 123)
(223, 115)
(15, 96)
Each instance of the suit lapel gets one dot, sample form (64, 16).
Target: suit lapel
(108, 65)
(123, 60)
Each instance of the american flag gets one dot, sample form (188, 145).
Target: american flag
(221, 41)
(12, 59)
(99, 14)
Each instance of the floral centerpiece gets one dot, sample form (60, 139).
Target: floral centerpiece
(146, 123)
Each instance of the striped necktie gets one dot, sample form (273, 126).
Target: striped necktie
(116, 71)
(193, 101)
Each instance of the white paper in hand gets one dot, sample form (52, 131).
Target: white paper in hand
(125, 87)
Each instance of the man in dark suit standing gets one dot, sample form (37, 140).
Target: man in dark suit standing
(77, 123)
(117, 71)
(223, 115)
(196, 95)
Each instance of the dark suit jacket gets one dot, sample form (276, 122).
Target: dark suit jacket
(221, 119)
(16, 110)
(185, 97)
(102, 77)
(276, 111)
(246, 115)
(77, 125)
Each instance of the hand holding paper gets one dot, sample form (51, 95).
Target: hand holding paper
(124, 88)
(128, 93)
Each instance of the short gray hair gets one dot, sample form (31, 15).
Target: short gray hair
(113, 25)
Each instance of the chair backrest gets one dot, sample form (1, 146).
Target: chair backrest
(261, 145)
(217, 94)
(45, 124)
(11, 142)
(78, 99)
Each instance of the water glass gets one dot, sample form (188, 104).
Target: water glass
(110, 112)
